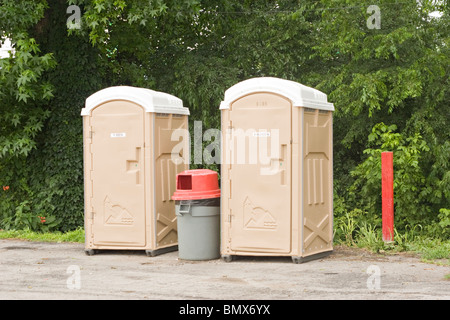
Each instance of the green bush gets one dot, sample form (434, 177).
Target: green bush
(413, 203)
(46, 176)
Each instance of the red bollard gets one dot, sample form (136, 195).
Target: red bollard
(387, 193)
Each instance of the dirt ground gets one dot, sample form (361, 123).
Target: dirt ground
(50, 271)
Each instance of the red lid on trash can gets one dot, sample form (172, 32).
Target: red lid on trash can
(196, 185)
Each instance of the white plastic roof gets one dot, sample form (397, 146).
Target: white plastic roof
(151, 101)
(300, 95)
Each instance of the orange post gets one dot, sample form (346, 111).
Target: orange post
(387, 193)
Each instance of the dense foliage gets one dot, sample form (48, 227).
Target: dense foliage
(389, 85)
(43, 166)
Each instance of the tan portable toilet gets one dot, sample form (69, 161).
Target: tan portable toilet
(129, 173)
(276, 171)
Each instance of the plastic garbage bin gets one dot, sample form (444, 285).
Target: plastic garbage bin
(197, 206)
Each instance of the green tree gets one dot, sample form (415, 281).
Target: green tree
(41, 132)
(24, 92)
(398, 75)
(56, 167)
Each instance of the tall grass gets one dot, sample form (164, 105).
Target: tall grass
(351, 232)
(348, 231)
(71, 236)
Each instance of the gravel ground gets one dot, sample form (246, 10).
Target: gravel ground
(35, 270)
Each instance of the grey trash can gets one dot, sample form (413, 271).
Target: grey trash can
(197, 206)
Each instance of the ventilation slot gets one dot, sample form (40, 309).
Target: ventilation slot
(310, 110)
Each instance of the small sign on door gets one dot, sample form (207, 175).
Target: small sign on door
(261, 134)
(118, 135)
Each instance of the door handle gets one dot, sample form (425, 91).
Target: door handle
(283, 169)
(134, 166)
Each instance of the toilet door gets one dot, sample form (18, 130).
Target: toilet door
(165, 176)
(117, 153)
(258, 152)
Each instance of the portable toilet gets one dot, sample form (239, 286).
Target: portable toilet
(276, 171)
(130, 175)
